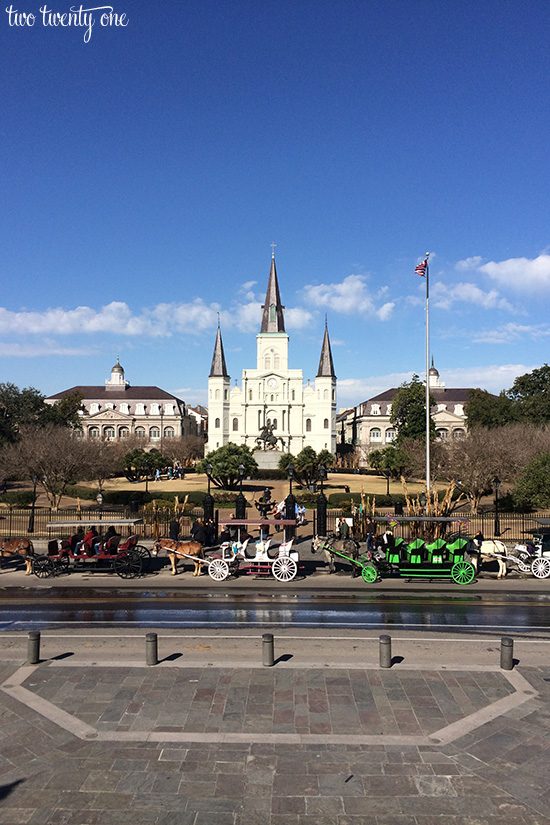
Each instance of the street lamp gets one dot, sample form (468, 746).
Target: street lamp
(240, 501)
(321, 502)
(30, 528)
(496, 485)
(208, 501)
(290, 502)
(99, 499)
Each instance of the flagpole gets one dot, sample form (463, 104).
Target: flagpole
(428, 481)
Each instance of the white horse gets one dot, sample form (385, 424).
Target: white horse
(349, 547)
(491, 550)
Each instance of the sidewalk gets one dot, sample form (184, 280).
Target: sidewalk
(92, 736)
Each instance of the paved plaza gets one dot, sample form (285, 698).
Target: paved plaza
(92, 736)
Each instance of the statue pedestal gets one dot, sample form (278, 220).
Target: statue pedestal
(267, 459)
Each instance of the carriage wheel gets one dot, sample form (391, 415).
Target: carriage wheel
(62, 564)
(369, 573)
(145, 556)
(42, 567)
(540, 568)
(218, 569)
(284, 569)
(127, 565)
(524, 563)
(463, 572)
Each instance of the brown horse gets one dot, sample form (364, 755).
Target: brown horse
(176, 550)
(20, 546)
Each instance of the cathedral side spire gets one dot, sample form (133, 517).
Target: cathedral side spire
(326, 365)
(218, 368)
(272, 311)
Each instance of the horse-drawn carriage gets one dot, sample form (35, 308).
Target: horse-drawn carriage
(431, 560)
(125, 557)
(239, 554)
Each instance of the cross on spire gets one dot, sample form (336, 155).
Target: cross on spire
(273, 245)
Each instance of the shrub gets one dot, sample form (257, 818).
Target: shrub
(21, 498)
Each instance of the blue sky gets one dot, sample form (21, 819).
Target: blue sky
(147, 171)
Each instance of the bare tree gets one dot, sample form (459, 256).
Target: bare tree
(187, 450)
(55, 456)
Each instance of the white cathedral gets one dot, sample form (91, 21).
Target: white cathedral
(272, 398)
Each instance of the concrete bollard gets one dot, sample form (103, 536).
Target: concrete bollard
(268, 654)
(506, 653)
(151, 649)
(33, 647)
(385, 651)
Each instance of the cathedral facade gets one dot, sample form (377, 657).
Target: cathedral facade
(272, 401)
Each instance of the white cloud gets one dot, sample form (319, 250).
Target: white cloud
(13, 350)
(445, 296)
(469, 263)
(297, 318)
(352, 391)
(349, 297)
(385, 311)
(520, 273)
(509, 333)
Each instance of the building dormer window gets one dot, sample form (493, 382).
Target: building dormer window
(140, 409)
(155, 409)
(441, 407)
(459, 409)
(375, 409)
(124, 408)
(388, 409)
(94, 408)
(169, 409)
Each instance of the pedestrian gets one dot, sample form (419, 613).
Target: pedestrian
(174, 529)
(343, 529)
(198, 533)
(370, 530)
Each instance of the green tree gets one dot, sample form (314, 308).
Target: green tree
(27, 408)
(532, 489)
(408, 411)
(530, 394)
(390, 463)
(142, 464)
(225, 463)
(486, 410)
(306, 464)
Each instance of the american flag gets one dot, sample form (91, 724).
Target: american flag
(421, 268)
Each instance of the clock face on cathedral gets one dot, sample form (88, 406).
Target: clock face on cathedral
(272, 382)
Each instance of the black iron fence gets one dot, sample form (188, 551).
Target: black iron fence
(17, 521)
(515, 527)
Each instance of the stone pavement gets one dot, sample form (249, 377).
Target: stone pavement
(90, 741)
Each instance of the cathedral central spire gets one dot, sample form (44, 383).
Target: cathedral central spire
(272, 311)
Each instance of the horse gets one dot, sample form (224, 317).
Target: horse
(491, 550)
(22, 547)
(349, 547)
(181, 549)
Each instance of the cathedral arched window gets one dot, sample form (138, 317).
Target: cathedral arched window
(267, 362)
(217, 394)
(235, 425)
(308, 425)
(325, 424)
(325, 395)
(217, 422)
(276, 362)
(293, 395)
(93, 432)
(225, 395)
